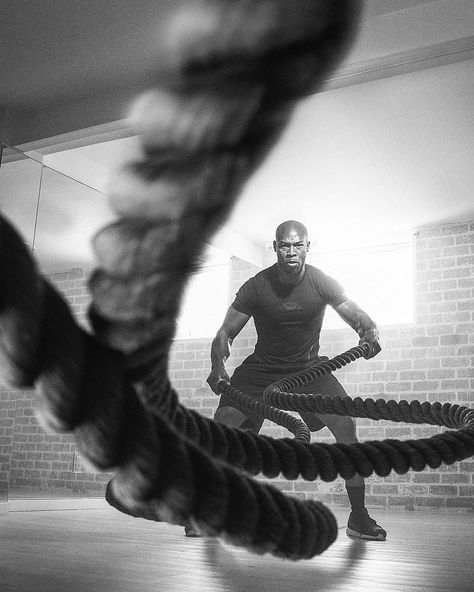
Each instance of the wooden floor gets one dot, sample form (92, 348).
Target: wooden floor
(102, 550)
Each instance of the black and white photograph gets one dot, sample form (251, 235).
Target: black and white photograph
(236, 295)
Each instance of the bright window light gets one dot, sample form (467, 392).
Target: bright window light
(378, 279)
(206, 298)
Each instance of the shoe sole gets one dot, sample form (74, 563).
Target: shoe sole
(366, 537)
(192, 534)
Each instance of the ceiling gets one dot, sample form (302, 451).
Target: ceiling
(52, 50)
(385, 147)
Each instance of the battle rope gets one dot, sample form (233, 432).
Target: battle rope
(239, 66)
(447, 414)
(270, 412)
(293, 459)
(272, 404)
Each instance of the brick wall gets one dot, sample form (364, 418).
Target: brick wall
(7, 420)
(32, 459)
(431, 359)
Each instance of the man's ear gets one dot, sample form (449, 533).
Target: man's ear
(274, 246)
(308, 244)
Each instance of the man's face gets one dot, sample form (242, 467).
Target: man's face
(291, 248)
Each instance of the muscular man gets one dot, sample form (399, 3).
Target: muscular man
(287, 302)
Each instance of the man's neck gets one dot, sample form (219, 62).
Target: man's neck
(290, 279)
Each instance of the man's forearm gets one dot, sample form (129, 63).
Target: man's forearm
(356, 318)
(365, 325)
(360, 321)
(220, 349)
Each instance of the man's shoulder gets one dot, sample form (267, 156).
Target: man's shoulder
(314, 272)
(320, 279)
(327, 286)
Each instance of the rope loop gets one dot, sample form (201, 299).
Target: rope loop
(238, 67)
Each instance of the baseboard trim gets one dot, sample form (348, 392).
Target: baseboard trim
(37, 505)
(4, 507)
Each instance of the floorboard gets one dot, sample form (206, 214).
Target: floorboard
(102, 550)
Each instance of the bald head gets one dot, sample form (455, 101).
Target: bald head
(291, 245)
(291, 227)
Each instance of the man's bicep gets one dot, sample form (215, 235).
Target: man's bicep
(347, 310)
(354, 316)
(234, 322)
(330, 290)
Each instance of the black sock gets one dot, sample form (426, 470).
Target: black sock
(357, 498)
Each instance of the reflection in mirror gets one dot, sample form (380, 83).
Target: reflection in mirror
(69, 214)
(57, 215)
(20, 183)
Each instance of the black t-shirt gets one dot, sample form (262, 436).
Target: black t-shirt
(288, 319)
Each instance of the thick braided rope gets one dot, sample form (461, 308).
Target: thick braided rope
(278, 395)
(245, 402)
(271, 407)
(293, 458)
(263, 455)
(275, 393)
(159, 473)
(239, 65)
(86, 385)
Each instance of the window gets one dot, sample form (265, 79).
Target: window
(378, 279)
(206, 298)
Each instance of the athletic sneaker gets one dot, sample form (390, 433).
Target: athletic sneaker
(362, 526)
(190, 531)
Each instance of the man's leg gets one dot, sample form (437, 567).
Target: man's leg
(234, 418)
(360, 524)
(343, 429)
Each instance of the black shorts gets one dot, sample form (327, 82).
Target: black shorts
(253, 379)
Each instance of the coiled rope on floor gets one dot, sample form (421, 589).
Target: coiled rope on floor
(239, 66)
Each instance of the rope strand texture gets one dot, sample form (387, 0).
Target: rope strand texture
(295, 458)
(239, 67)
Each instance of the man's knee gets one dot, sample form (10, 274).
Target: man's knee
(342, 427)
(230, 417)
